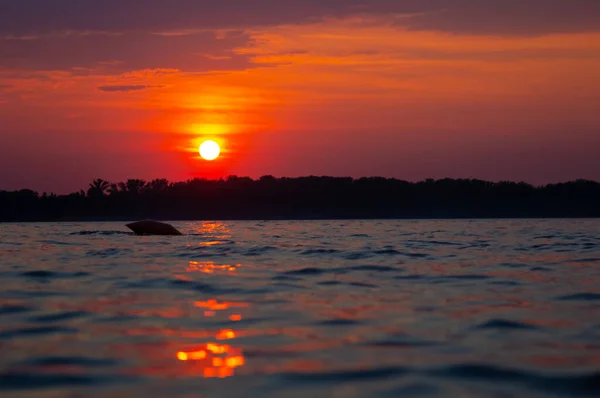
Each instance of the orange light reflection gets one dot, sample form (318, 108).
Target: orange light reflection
(214, 360)
(209, 267)
(226, 334)
(214, 305)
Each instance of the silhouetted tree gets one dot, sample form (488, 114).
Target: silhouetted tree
(98, 188)
(113, 189)
(305, 197)
(132, 186)
(159, 185)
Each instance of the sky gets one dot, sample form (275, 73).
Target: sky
(411, 89)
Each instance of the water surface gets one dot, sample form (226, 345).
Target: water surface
(487, 308)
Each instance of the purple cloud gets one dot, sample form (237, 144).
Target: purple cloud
(113, 89)
(27, 17)
(115, 36)
(120, 53)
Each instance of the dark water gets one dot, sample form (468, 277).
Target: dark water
(340, 309)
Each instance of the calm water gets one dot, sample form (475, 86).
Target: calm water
(306, 308)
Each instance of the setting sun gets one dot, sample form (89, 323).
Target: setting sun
(209, 150)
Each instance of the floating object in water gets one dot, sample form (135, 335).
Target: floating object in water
(150, 227)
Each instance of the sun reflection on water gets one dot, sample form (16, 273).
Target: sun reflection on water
(214, 360)
(209, 267)
(214, 229)
(215, 305)
(203, 353)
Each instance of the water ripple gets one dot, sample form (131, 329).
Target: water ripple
(63, 316)
(14, 309)
(86, 362)
(26, 381)
(356, 376)
(34, 331)
(108, 252)
(505, 324)
(580, 297)
(364, 308)
(572, 384)
(45, 274)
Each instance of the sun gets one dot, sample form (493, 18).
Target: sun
(209, 150)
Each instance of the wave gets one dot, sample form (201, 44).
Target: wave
(84, 362)
(45, 274)
(399, 343)
(445, 278)
(101, 233)
(505, 324)
(14, 309)
(341, 270)
(108, 252)
(27, 381)
(349, 375)
(580, 297)
(571, 384)
(35, 331)
(63, 316)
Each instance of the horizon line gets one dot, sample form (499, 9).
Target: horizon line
(234, 177)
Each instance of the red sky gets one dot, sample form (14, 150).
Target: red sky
(410, 89)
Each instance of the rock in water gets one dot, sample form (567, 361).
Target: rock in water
(150, 227)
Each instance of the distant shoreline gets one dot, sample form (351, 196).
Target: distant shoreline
(125, 220)
(305, 198)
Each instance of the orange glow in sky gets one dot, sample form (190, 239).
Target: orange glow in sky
(397, 89)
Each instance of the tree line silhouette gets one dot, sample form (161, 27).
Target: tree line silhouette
(304, 198)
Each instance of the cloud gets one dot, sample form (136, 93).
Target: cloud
(175, 33)
(65, 33)
(180, 17)
(114, 36)
(356, 42)
(130, 51)
(511, 17)
(217, 57)
(112, 89)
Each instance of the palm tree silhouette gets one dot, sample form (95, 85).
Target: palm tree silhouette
(306, 197)
(98, 188)
(133, 186)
